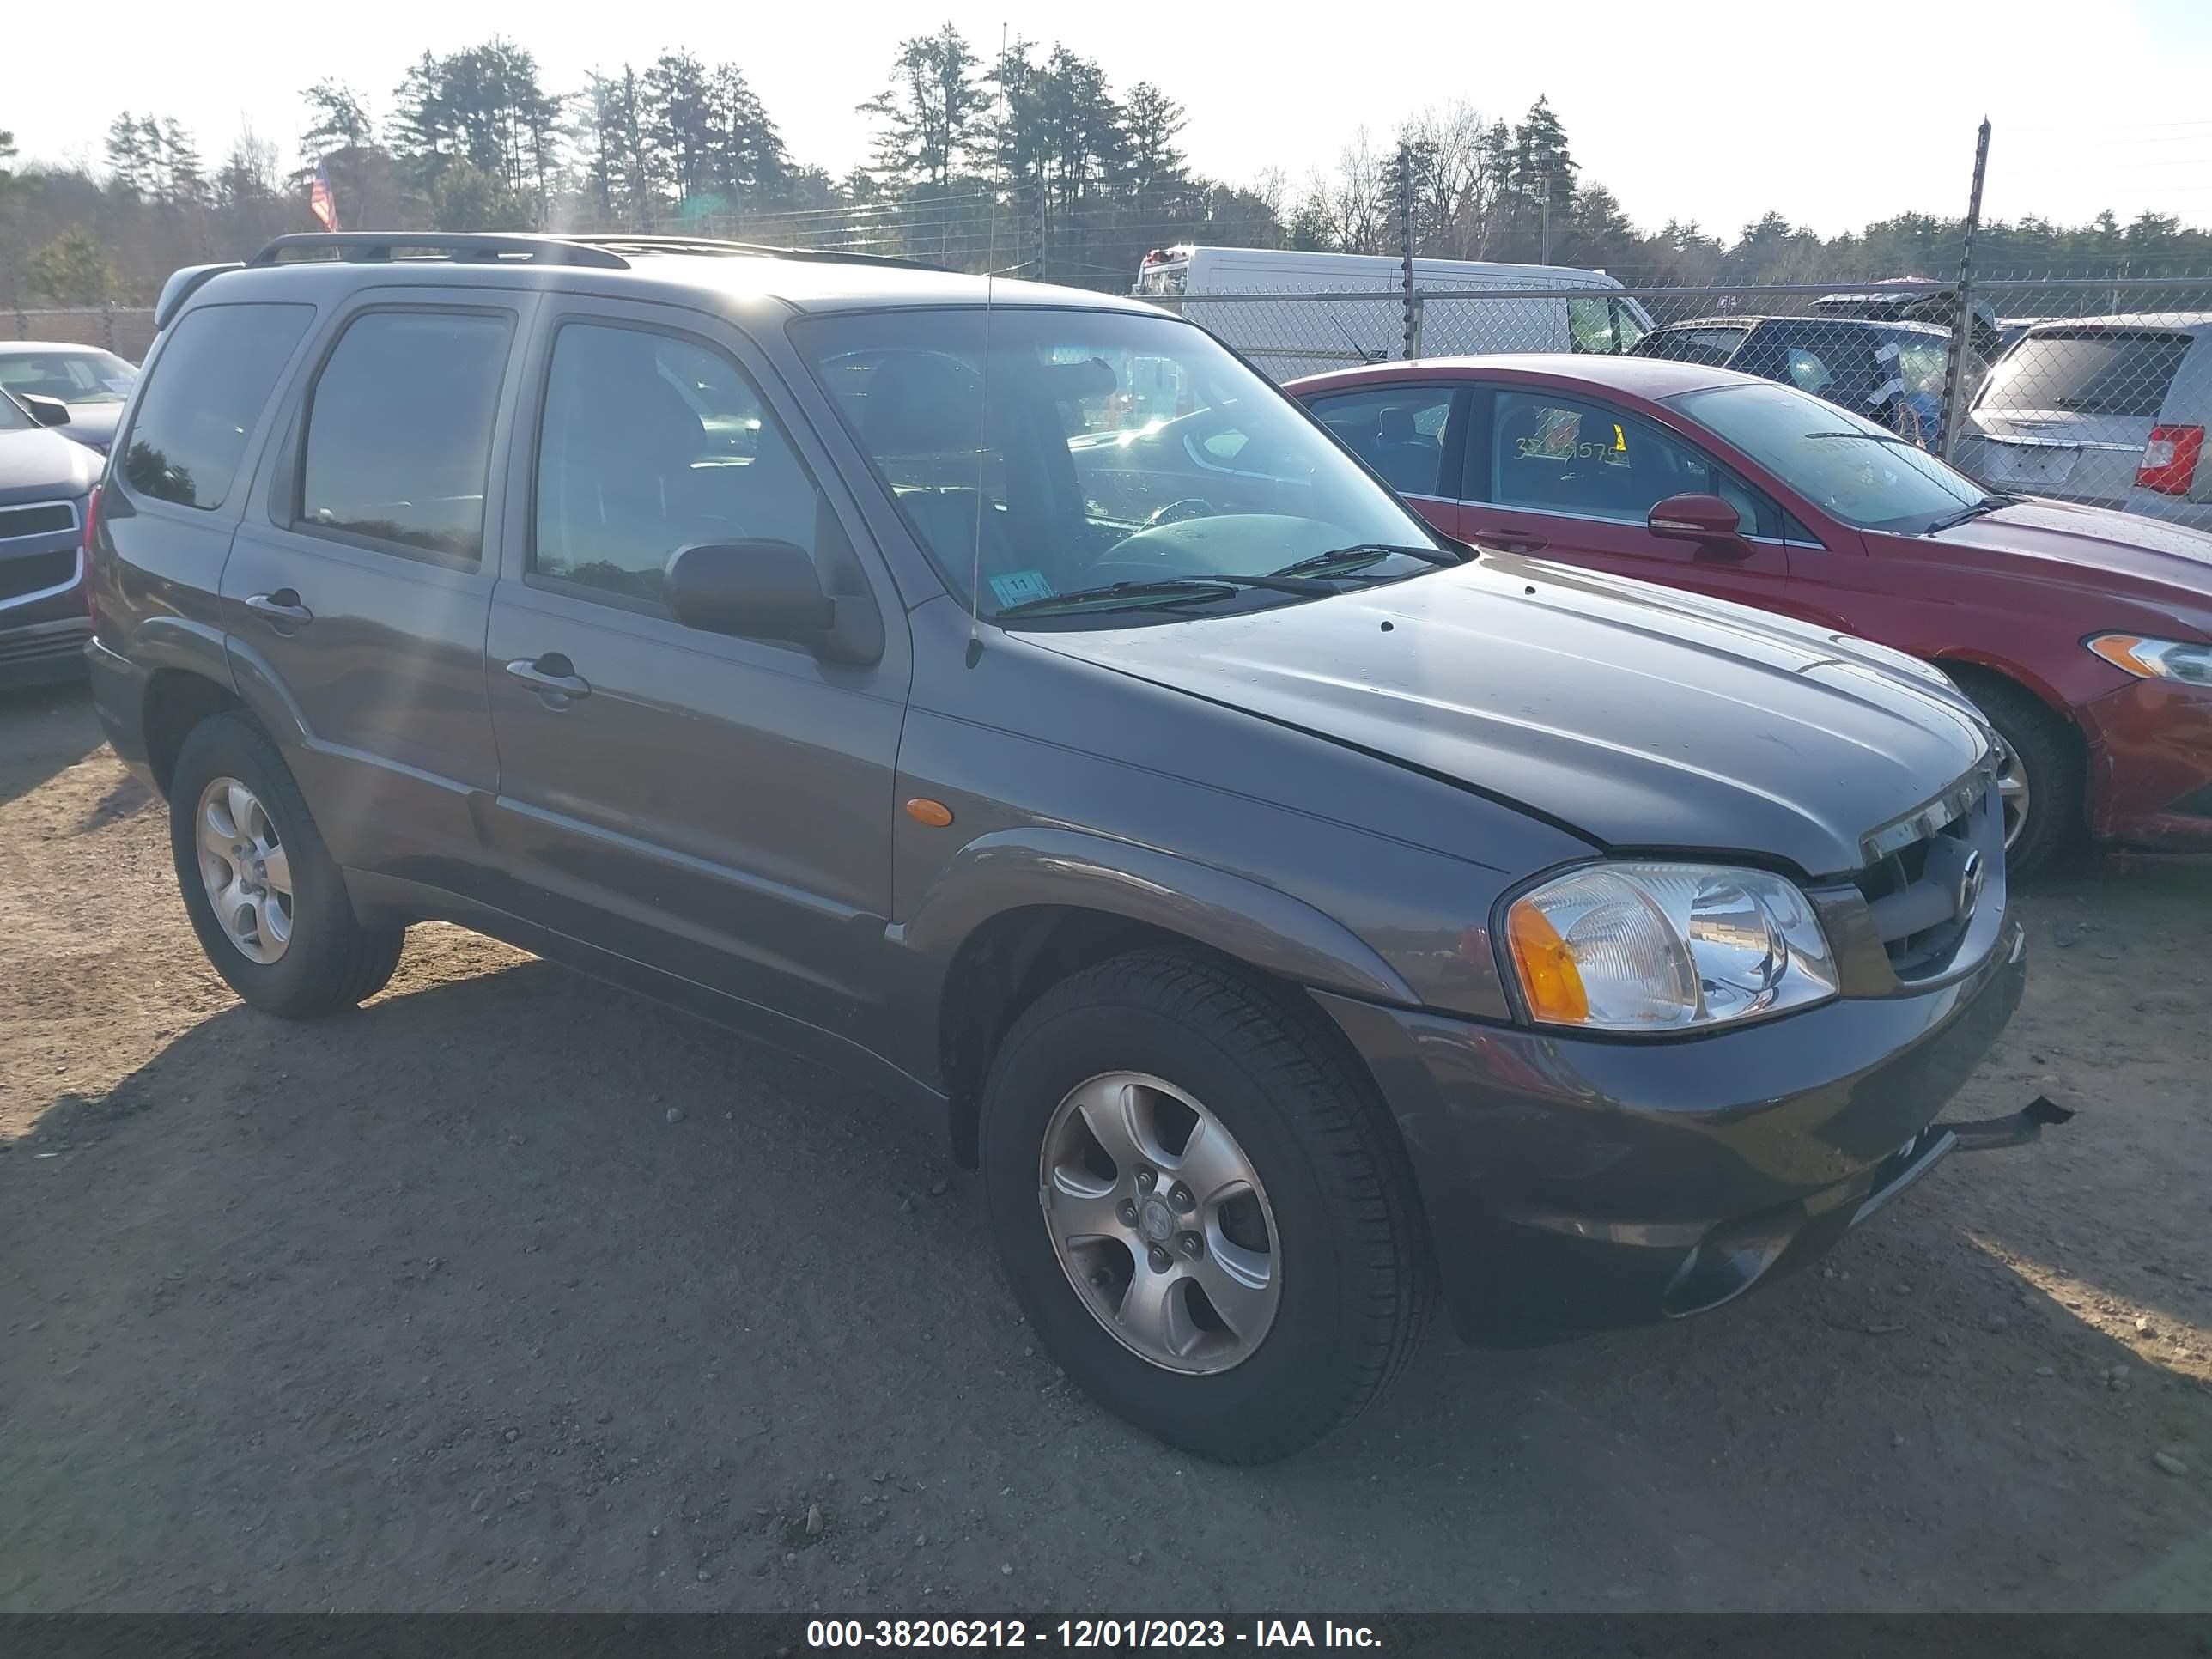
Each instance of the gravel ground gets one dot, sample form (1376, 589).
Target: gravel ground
(512, 1292)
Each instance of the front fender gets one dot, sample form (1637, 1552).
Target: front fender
(1030, 867)
(1012, 869)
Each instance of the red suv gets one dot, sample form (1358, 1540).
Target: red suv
(2084, 635)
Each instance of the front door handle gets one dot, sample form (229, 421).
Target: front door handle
(281, 609)
(553, 676)
(1511, 538)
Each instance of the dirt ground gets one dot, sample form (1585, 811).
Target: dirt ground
(512, 1292)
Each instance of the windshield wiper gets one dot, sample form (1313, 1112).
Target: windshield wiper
(1974, 510)
(1343, 561)
(1870, 437)
(1168, 590)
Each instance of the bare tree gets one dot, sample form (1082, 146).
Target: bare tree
(1348, 210)
(1457, 178)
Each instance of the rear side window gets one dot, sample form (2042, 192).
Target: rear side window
(1397, 430)
(399, 429)
(209, 387)
(2103, 371)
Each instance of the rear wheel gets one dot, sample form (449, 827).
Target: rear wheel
(267, 898)
(2039, 775)
(1202, 1207)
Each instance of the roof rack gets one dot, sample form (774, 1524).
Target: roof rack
(616, 242)
(485, 247)
(603, 249)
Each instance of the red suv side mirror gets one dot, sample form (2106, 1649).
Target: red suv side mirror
(1708, 520)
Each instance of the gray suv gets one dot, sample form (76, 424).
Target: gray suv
(1005, 694)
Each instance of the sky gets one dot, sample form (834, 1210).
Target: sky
(1730, 110)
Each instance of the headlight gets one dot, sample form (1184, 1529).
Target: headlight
(2156, 659)
(1666, 947)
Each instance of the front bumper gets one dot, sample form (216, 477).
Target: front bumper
(1574, 1185)
(42, 653)
(2150, 764)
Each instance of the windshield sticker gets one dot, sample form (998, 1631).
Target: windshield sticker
(1020, 587)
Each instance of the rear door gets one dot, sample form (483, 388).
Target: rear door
(172, 500)
(357, 589)
(1571, 477)
(1412, 433)
(717, 808)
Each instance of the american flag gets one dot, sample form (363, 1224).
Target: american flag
(321, 201)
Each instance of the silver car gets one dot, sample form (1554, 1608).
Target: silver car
(2110, 410)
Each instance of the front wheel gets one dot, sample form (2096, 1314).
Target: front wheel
(2039, 776)
(1202, 1207)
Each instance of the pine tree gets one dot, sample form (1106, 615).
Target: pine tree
(1151, 119)
(930, 111)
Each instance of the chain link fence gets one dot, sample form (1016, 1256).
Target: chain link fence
(2096, 389)
(126, 331)
(2091, 389)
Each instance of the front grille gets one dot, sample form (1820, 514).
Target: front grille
(39, 519)
(1924, 882)
(36, 572)
(53, 643)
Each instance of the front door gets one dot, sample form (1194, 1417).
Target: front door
(1566, 477)
(716, 808)
(357, 586)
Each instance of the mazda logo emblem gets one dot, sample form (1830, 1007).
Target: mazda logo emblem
(1970, 876)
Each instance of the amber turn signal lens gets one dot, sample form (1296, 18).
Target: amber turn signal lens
(1548, 974)
(935, 813)
(2118, 649)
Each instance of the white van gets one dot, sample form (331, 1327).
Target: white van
(1325, 320)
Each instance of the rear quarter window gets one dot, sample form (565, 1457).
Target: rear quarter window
(204, 395)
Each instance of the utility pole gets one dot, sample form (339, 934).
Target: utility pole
(1413, 333)
(1544, 184)
(1962, 321)
(1043, 202)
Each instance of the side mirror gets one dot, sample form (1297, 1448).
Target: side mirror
(46, 411)
(757, 590)
(1708, 520)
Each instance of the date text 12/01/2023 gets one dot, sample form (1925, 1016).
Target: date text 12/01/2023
(1084, 1633)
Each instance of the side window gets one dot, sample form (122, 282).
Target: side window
(210, 382)
(1399, 430)
(650, 443)
(1590, 325)
(1807, 371)
(1628, 328)
(399, 427)
(1563, 455)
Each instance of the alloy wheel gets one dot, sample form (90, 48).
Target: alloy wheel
(1160, 1222)
(245, 870)
(2013, 793)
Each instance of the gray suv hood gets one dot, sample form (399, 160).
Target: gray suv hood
(1637, 716)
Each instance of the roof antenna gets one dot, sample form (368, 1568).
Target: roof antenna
(983, 420)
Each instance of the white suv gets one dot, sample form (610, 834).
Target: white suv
(2110, 410)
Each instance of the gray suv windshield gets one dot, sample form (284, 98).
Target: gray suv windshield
(1108, 448)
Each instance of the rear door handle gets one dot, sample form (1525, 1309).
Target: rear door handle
(553, 676)
(281, 608)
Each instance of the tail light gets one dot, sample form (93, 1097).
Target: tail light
(91, 526)
(2169, 459)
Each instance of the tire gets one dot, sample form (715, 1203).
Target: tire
(2048, 761)
(1348, 1258)
(327, 960)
